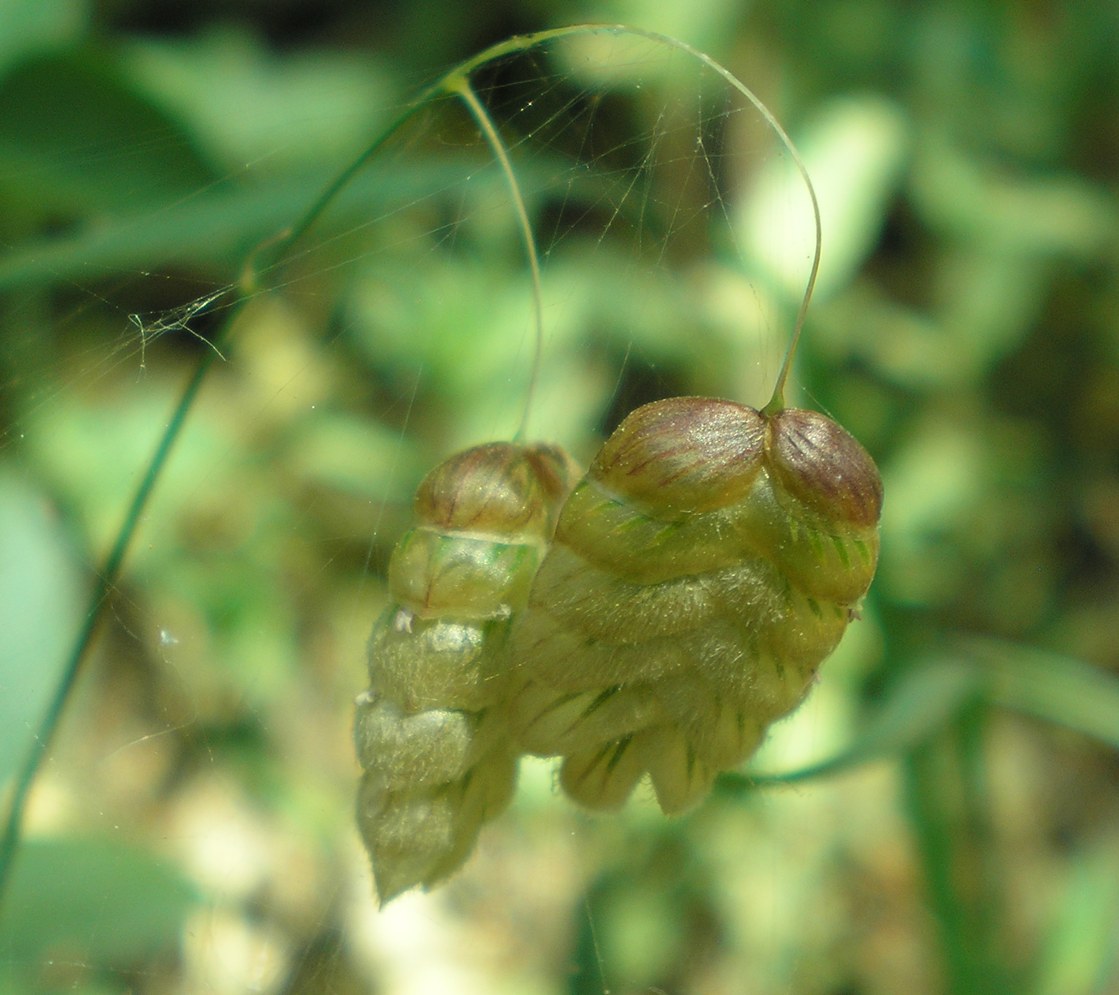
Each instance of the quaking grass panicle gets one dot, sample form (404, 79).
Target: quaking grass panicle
(652, 622)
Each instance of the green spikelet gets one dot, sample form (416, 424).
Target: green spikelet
(707, 563)
(431, 732)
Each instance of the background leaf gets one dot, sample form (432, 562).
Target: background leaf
(94, 899)
(40, 579)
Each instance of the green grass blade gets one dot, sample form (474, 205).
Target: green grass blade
(1080, 955)
(1052, 687)
(1046, 685)
(921, 702)
(945, 801)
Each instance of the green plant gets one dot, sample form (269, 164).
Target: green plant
(971, 356)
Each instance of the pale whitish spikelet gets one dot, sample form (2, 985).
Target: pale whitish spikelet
(431, 731)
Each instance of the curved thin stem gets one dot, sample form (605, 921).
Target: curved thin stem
(777, 401)
(106, 582)
(521, 43)
(459, 83)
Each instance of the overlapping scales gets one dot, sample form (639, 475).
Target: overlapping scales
(701, 571)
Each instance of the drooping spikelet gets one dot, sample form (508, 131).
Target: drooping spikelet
(431, 730)
(707, 563)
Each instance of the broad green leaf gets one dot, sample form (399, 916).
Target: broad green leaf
(40, 600)
(100, 899)
(75, 138)
(31, 26)
(854, 151)
(984, 207)
(215, 226)
(245, 104)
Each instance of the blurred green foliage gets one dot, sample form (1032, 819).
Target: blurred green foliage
(190, 829)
